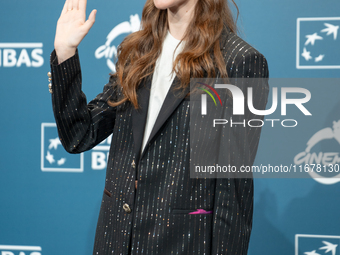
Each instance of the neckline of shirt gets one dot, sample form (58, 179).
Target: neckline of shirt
(172, 40)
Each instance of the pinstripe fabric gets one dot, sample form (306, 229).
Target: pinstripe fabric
(159, 222)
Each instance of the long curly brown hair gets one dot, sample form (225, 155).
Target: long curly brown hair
(138, 52)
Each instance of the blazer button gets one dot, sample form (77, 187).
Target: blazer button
(49, 79)
(126, 208)
(133, 164)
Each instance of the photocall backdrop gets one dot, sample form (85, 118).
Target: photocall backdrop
(49, 200)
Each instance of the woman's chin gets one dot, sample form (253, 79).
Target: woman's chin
(165, 4)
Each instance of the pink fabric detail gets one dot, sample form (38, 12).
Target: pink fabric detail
(201, 211)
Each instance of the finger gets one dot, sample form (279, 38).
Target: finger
(92, 18)
(69, 5)
(82, 5)
(75, 4)
(65, 7)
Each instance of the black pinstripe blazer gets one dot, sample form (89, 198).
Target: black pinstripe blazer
(154, 219)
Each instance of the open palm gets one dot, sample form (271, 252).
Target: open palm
(72, 27)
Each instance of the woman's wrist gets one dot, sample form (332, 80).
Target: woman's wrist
(64, 54)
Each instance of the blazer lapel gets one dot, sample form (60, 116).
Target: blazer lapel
(139, 116)
(171, 102)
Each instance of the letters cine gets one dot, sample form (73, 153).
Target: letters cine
(239, 102)
(21, 54)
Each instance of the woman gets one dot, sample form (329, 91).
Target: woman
(150, 204)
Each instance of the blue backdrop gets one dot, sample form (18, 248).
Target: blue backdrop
(50, 200)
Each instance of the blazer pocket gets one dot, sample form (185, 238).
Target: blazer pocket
(108, 193)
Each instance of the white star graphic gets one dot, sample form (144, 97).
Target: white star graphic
(329, 247)
(319, 58)
(312, 38)
(54, 143)
(50, 158)
(306, 54)
(331, 29)
(61, 161)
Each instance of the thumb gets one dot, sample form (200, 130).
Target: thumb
(92, 18)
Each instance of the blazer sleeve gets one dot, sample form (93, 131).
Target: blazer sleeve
(81, 126)
(233, 204)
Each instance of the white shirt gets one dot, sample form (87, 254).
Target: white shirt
(161, 82)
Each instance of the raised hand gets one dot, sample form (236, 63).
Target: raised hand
(72, 27)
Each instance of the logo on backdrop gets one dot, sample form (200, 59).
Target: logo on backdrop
(21, 55)
(100, 154)
(316, 245)
(109, 51)
(317, 43)
(324, 158)
(19, 250)
(54, 158)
